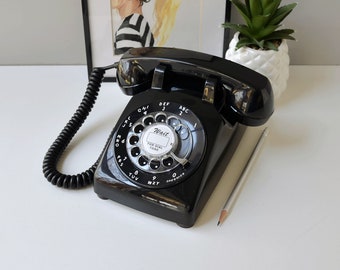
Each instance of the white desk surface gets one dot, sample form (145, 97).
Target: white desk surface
(287, 216)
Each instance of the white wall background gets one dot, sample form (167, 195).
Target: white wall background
(41, 32)
(51, 32)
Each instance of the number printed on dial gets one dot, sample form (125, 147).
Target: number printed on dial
(159, 145)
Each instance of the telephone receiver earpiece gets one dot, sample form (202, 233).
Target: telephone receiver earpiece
(250, 106)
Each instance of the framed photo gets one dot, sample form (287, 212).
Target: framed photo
(112, 26)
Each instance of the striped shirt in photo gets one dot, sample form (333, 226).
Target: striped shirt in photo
(134, 32)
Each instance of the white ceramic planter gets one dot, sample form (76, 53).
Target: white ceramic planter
(272, 64)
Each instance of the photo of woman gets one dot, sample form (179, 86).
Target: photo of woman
(134, 29)
(114, 26)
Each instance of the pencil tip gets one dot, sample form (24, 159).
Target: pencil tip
(223, 216)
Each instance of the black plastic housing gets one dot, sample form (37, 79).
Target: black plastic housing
(247, 95)
(183, 202)
(225, 97)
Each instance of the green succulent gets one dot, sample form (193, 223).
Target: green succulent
(262, 18)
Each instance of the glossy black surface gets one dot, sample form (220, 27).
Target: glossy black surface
(219, 93)
(183, 202)
(245, 95)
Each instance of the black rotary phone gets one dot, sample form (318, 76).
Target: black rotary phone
(174, 139)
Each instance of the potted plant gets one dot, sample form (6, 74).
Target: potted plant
(259, 44)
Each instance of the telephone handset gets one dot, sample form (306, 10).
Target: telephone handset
(174, 139)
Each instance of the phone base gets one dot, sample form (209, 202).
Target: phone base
(183, 202)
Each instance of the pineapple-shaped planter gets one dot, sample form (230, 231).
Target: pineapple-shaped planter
(272, 64)
(260, 43)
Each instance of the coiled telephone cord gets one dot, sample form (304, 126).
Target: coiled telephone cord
(55, 151)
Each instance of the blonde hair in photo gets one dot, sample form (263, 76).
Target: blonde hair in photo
(165, 12)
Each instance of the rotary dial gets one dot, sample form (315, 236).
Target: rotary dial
(159, 145)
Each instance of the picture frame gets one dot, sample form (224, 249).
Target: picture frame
(202, 33)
